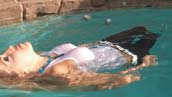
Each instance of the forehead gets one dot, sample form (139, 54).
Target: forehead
(1, 63)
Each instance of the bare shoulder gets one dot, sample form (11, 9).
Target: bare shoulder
(61, 68)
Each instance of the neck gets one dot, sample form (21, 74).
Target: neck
(41, 61)
(38, 62)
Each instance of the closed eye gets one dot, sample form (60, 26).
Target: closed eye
(6, 59)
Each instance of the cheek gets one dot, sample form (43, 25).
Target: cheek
(22, 63)
(2, 67)
(22, 58)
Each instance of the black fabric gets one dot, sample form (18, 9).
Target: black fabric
(138, 40)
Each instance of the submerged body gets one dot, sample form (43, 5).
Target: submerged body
(91, 59)
(78, 64)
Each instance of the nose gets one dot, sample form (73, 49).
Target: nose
(10, 49)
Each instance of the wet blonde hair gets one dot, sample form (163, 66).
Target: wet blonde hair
(31, 81)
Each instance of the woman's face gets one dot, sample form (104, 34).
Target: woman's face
(19, 58)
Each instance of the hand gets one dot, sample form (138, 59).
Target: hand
(150, 60)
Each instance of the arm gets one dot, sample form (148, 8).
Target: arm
(98, 81)
(148, 60)
(106, 81)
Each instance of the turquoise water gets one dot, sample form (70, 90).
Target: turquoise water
(47, 32)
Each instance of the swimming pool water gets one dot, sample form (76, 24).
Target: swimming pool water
(47, 32)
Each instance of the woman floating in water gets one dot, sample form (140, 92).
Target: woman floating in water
(83, 65)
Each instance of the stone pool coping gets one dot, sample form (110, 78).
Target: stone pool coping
(13, 11)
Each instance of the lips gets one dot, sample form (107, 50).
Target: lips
(23, 45)
(19, 46)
